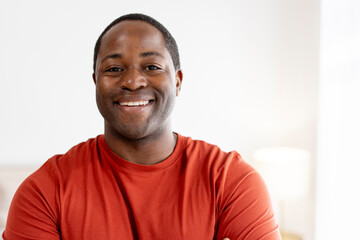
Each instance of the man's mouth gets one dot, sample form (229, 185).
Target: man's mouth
(134, 103)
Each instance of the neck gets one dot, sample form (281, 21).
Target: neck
(144, 151)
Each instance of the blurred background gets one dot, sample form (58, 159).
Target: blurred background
(276, 80)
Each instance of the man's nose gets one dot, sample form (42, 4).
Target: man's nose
(133, 79)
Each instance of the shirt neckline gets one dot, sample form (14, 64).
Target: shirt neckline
(122, 163)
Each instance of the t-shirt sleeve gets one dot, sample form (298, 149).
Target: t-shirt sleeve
(244, 205)
(33, 212)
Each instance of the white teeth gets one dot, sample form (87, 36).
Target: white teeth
(138, 103)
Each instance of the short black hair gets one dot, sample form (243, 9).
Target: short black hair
(170, 42)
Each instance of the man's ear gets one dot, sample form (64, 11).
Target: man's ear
(94, 78)
(179, 78)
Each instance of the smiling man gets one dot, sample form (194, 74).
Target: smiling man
(140, 180)
(136, 85)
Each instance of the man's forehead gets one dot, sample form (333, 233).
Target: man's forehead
(132, 34)
(135, 28)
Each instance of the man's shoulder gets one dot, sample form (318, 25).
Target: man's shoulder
(223, 167)
(75, 158)
(205, 148)
(203, 151)
(84, 148)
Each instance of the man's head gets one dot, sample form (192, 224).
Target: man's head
(170, 41)
(136, 80)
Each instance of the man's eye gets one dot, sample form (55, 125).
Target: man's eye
(114, 69)
(152, 67)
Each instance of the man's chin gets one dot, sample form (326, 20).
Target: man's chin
(135, 132)
(130, 133)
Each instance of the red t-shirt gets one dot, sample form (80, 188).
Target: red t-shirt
(199, 192)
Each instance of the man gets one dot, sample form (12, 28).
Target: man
(140, 180)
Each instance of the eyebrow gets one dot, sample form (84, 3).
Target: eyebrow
(149, 54)
(115, 55)
(143, 55)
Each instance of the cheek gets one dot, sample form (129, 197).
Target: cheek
(103, 95)
(103, 88)
(103, 100)
(169, 87)
(169, 92)
(169, 96)
(107, 83)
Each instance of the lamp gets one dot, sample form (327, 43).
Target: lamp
(286, 173)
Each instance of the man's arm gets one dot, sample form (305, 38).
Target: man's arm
(245, 210)
(32, 213)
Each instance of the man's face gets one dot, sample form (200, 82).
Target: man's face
(136, 83)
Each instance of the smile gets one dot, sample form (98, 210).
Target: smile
(134, 104)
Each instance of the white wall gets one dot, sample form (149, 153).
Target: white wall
(250, 76)
(338, 193)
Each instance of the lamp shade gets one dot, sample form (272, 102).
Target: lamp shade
(285, 170)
